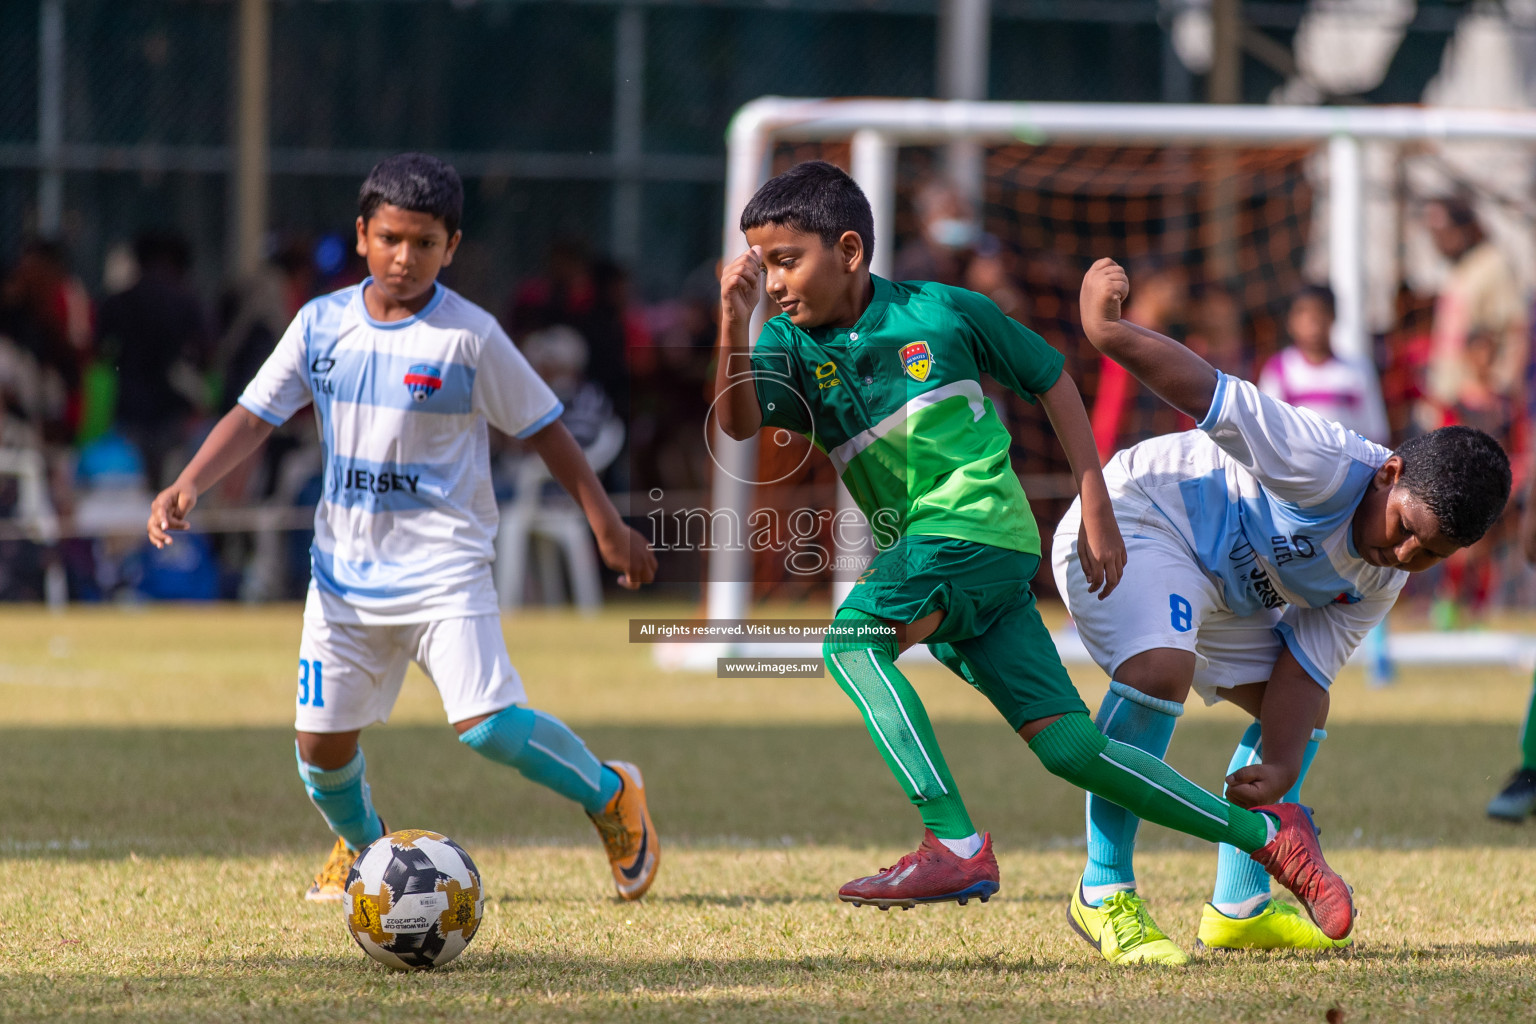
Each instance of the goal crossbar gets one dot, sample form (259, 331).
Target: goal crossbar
(919, 122)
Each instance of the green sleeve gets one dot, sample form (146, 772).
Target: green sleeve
(1015, 356)
(776, 377)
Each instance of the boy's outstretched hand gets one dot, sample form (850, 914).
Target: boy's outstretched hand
(169, 512)
(740, 286)
(1259, 785)
(1105, 289)
(1100, 548)
(627, 552)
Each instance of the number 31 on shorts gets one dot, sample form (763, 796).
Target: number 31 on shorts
(311, 683)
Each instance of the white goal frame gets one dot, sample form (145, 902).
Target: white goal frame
(876, 127)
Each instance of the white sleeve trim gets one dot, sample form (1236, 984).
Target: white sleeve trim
(1292, 643)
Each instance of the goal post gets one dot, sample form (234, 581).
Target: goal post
(876, 129)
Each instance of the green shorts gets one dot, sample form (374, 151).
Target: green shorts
(991, 636)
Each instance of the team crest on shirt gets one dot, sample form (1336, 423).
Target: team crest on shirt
(917, 360)
(423, 381)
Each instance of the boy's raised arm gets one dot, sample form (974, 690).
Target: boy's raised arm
(231, 441)
(1177, 375)
(737, 407)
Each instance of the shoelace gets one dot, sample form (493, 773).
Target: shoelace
(1306, 873)
(1297, 867)
(1283, 909)
(616, 836)
(906, 861)
(1130, 929)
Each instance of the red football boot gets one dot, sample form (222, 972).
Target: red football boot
(1295, 860)
(930, 874)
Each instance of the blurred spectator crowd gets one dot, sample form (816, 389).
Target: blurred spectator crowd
(114, 391)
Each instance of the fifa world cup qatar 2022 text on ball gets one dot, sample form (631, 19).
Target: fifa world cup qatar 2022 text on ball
(414, 900)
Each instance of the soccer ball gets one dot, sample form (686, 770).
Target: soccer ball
(414, 900)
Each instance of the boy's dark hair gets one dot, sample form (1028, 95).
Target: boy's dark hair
(1319, 293)
(1461, 475)
(817, 198)
(416, 182)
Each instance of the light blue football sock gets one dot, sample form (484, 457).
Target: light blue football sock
(343, 799)
(545, 750)
(1143, 722)
(1242, 884)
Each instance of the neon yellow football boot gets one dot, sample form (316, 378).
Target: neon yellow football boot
(1123, 931)
(1277, 926)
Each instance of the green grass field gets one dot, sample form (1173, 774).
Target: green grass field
(156, 841)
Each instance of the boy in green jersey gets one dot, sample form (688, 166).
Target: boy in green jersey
(885, 379)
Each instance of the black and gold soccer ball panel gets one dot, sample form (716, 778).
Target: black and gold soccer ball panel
(414, 900)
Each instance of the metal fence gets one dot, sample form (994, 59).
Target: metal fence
(599, 120)
(594, 121)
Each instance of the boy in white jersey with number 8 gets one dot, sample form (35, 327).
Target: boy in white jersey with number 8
(1261, 548)
(405, 375)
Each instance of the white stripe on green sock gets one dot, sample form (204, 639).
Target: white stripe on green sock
(893, 713)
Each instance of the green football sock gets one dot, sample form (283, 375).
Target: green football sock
(1073, 748)
(865, 667)
(1528, 735)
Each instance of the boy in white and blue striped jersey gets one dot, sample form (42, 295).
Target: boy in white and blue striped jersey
(405, 376)
(1261, 548)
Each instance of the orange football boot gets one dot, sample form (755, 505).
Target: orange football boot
(628, 835)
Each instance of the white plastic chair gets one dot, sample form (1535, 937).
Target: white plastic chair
(35, 513)
(559, 528)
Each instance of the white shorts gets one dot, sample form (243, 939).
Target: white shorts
(350, 675)
(1165, 599)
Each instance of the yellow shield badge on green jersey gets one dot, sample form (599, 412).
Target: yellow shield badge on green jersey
(917, 360)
